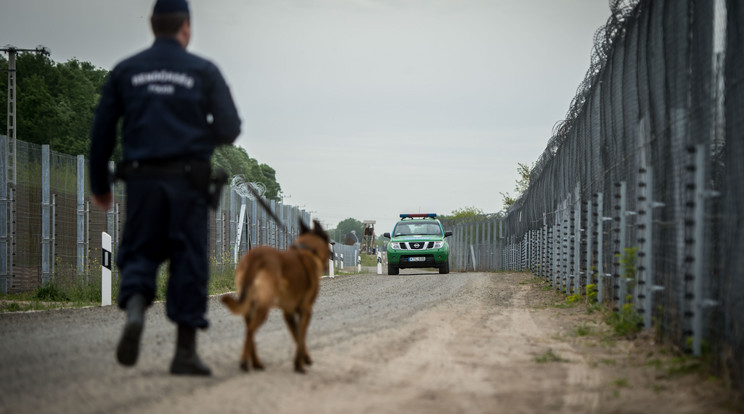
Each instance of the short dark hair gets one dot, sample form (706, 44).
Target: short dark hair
(167, 24)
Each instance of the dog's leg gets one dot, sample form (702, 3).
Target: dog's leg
(260, 314)
(289, 318)
(292, 325)
(247, 345)
(302, 357)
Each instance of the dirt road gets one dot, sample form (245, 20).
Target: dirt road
(417, 342)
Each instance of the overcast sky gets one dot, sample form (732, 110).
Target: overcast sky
(365, 108)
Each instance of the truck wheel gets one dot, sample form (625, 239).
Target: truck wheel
(444, 269)
(392, 270)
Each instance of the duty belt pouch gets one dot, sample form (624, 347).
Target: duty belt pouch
(208, 182)
(199, 173)
(216, 181)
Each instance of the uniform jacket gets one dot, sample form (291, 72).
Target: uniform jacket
(174, 105)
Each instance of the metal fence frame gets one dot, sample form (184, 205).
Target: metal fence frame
(639, 191)
(55, 233)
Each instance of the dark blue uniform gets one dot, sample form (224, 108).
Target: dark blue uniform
(175, 107)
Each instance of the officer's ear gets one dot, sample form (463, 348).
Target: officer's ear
(184, 33)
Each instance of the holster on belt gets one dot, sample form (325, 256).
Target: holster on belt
(198, 173)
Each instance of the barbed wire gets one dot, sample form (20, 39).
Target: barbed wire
(604, 40)
(241, 186)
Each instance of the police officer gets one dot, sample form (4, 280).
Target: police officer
(176, 108)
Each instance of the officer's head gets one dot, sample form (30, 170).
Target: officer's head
(171, 18)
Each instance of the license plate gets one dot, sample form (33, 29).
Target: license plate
(416, 259)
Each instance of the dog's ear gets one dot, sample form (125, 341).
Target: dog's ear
(303, 227)
(317, 227)
(318, 230)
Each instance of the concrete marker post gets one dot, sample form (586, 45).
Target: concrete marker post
(331, 263)
(106, 269)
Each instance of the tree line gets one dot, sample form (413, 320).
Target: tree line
(55, 105)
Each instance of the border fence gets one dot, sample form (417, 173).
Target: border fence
(49, 232)
(639, 192)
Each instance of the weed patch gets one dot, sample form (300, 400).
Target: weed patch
(549, 356)
(627, 322)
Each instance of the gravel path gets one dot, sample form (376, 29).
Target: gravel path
(417, 342)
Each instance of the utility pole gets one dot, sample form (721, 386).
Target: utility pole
(8, 173)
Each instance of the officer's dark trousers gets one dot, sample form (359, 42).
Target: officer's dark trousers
(166, 219)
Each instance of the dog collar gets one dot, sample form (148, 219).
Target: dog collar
(305, 247)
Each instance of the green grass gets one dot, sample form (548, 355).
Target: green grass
(369, 259)
(549, 356)
(533, 281)
(621, 383)
(82, 291)
(582, 330)
(627, 322)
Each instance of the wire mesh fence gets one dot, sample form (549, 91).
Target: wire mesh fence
(49, 232)
(639, 190)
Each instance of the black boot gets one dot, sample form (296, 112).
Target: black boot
(128, 348)
(186, 361)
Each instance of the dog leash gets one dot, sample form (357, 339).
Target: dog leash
(261, 201)
(266, 208)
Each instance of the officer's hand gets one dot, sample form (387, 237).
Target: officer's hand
(103, 201)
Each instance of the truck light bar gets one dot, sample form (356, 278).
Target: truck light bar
(410, 215)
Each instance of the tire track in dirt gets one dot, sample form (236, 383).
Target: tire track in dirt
(582, 380)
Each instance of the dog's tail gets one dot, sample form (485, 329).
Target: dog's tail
(238, 306)
(258, 291)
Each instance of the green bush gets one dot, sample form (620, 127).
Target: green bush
(626, 322)
(52, 293)
(591, 293)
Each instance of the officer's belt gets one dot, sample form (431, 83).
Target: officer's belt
(160, 168)
(198, 173)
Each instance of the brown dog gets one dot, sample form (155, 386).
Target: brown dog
(289, 280)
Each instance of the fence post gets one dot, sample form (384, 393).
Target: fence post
(547, 243)
(646, 286)
(556, 249)
(45, 216)
(699, 303)
(5, 246)
(254, 222)
(239, 232)
(576, 248)
(53, 241)
(601, 275)
(111, 214)
(80, 214)
(589, 242)
(87, 241)
(619, 277)
(566, 246)
(489, 245)
(219, 232)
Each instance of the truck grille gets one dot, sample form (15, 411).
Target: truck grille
(416, 245)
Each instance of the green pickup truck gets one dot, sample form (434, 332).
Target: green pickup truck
(418, 241)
